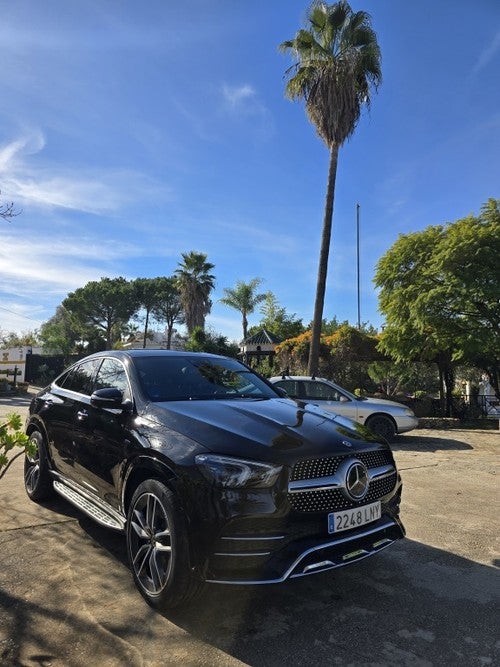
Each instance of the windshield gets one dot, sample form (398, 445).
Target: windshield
(198, 378)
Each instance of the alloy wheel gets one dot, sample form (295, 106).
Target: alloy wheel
(150, 543)
(32, 469)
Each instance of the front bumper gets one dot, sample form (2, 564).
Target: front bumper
(406, 423)
(302, 557)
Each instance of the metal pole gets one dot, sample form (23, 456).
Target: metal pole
(357, 263)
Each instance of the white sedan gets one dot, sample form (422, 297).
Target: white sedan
(385, 418)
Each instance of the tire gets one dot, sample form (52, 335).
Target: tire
(157, 547)
(37, 480)
(382, 426)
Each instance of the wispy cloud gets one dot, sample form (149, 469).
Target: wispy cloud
(243, 99)
(243, 103)
(56, 266)
(86, 190)
(488, 53)
(237, 96)
(11, 154)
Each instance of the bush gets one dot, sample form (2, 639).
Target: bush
(11, 437)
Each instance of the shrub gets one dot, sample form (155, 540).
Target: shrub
(11, 437)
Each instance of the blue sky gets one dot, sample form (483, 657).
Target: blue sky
(131, 132)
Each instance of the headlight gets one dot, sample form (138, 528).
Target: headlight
(232, 473)
(408, 412)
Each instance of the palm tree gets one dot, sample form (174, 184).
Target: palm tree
(243, 298)
(195, 282)
(338, 62)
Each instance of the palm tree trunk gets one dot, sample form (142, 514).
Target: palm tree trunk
(245, 326)
(146, 324)
(323, 264)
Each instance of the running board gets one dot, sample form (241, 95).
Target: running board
(97, 512)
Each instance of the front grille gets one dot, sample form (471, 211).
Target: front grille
(333, 499)
(313, 468)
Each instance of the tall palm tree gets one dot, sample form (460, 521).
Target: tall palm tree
(195, 282)
(338, 63)
(243, 297)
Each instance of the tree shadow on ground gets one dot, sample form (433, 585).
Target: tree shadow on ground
(70, 600)
(428, 443)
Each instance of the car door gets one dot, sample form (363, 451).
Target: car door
(62, 416)
(103, 449)
(329, 397)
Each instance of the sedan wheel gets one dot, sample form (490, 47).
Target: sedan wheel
(157, 547)
(382, 426)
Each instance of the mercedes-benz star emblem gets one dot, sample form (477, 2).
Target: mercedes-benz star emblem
(356, 481)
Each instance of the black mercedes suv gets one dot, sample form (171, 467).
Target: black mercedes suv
(213, 475)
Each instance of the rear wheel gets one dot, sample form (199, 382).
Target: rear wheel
(37, 481)
(382, 425)
(157, 547)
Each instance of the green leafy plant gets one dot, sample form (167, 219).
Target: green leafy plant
(12, 437)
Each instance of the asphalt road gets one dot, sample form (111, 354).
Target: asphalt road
(67, 597)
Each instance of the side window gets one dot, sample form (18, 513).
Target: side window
(80, 378)
(320, 391)
(290, 386)
(113, 374)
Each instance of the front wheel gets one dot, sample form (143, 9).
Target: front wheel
(157, 547)
(382, 426)
(37, 481)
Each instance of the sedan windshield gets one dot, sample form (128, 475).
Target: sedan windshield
(198, 378)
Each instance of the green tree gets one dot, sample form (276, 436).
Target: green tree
(60, 333)
(338, 64)
(147, 294)
(104, 306)
(464, 295)
(243, 297)
(168, 308)
(344, 355)
(276, 320)
(160, 299)
(201, 340)
(439, 293)
(14, 339)
(195, 283)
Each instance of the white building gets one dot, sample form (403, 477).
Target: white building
(14, 359)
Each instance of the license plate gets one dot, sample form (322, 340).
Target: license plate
(358, 516)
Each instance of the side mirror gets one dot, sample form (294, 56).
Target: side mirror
(344, 399)
(110, 397)
(281, 392)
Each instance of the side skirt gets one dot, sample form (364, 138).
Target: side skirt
(94, 507)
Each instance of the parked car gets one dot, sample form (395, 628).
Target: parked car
(211, 474)
(385, 418)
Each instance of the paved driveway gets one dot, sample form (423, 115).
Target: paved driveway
(67, 597)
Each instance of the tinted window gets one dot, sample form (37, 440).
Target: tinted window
(113, 374)
(290, 386)
(320, 391)
(80, 378)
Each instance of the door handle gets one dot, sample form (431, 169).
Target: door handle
(81, 415)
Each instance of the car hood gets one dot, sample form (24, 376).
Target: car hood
(382, 402)
(269, 429)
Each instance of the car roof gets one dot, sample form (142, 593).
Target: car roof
(297, 377)
(139, 352)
